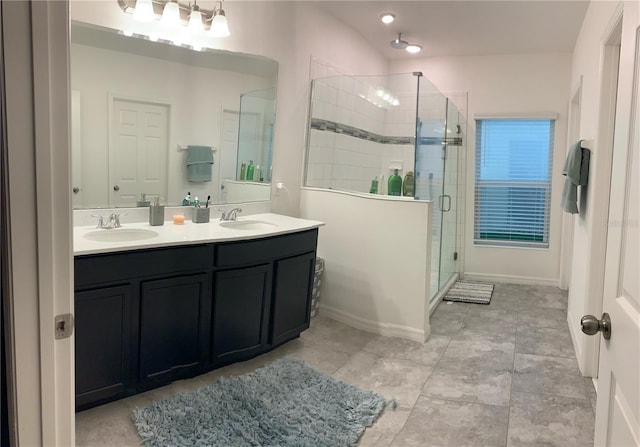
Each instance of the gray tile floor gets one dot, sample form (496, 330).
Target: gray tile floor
(497, 375)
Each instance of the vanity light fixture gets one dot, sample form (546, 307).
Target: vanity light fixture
(387, 18)
(219, 24)
(166, 19)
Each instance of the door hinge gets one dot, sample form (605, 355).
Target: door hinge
(63, 326)
(455, 255)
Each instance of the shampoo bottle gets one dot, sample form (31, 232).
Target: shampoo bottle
(394, 187)
(250, 169)
(374, 185)
(382, 185)
(243, 169)
(408, 185)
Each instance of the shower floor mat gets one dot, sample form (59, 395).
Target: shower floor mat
(470, 292)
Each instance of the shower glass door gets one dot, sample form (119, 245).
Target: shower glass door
(430, 171)
(448, 200)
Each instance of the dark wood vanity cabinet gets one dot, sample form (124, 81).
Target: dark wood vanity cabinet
(291, 302)
(145, 318)
(174, 328)
(240, 313)
(103, 341)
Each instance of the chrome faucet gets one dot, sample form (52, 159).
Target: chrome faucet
(231, 215)
(113, 221)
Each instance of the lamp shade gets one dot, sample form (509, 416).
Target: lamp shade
(219, 25)
(143, 12)
(171, 15)
(195, 21)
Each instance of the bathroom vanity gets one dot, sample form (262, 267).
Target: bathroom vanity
(194, 298)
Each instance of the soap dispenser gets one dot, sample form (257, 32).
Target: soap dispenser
(156, 213)
(394, 187)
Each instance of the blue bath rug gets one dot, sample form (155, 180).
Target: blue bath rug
(284, 404)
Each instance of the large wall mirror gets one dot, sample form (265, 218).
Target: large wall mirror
(143, 111)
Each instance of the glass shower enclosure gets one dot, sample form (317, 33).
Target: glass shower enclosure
(363, 128)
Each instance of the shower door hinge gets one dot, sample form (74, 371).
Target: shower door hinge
(455, 255)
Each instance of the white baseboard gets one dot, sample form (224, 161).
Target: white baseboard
(471, 276)
(375, 327)
(577, 347)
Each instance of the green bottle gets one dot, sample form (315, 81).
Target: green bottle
(394, 186)
(243, 169)
(250, 169)
(374, 185)
(408, 185)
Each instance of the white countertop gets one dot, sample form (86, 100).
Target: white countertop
(189, 233)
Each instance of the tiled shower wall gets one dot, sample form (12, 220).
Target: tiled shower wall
(338, 160)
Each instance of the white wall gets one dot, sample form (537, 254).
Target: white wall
(289, 33)
(377, 261)
(507, 84)
(196, 97)
(585, 287)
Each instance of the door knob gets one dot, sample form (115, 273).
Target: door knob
(116, 188)
(76, 190)
(591, 325)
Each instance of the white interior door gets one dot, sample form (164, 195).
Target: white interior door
(618, 408)
(138, 151)
(228, 149)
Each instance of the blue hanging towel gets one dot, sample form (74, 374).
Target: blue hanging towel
(199, 163)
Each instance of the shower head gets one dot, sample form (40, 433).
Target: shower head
(398, 43)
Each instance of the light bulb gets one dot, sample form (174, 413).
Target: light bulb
(413, 48)
(143, 11)
(219, 25)
(387, 18)
(195, 21)
(171, 15)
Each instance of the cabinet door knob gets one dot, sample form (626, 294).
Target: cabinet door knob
(116, 188)
(76, 190)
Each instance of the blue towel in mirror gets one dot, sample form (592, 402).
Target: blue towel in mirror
(199, 163)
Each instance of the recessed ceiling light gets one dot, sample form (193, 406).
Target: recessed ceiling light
(413, 48)
(387, 18)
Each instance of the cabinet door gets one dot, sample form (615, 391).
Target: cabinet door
(174, 327)
(102, 344)
(240, 312)
(292, 297)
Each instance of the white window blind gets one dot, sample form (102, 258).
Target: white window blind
(513, 181)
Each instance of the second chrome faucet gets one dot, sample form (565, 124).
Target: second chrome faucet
(229, 215)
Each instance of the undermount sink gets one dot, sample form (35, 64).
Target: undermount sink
(252, 225)
(120, 235)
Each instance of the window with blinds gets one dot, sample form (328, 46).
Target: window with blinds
(513, 181)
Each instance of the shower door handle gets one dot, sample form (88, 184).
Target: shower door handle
(447, 198)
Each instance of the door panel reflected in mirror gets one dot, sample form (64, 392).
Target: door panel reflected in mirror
(138, 106)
